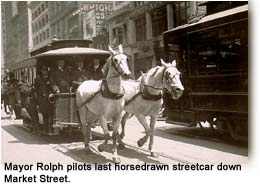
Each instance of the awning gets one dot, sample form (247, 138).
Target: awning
(74, 51)
(212, 17)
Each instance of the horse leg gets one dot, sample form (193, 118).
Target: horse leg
(115, 137)
(152, 125)
(103, 124)
(85, 128)
(142, 120)
(123, 121)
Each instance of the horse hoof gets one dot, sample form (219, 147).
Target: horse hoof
(116, 160)
(122, 136)
(121, 146)
(101, 148)
(140, 142)
(87, 149)
(155, 155)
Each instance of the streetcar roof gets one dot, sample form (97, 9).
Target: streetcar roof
(74, 51)
(211, 17)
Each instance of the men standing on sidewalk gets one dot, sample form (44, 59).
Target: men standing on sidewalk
(4, 91)
(13, 96)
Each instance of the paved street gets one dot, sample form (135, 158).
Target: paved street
(175, 144)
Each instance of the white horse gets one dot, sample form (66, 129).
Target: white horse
(144, 97)
(103, 101)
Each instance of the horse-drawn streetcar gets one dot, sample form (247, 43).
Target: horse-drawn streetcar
(57, 71)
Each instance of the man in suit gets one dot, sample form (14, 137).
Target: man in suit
(59, 77)
(43, 88)
(13, 95)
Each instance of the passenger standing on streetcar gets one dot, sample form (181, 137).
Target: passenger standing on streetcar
(44, 88)
(59, 77)
(79, 75)
(96, 70)
(25, 90)
(81, 72)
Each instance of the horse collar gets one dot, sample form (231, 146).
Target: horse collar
(147, 96)
(106, 93)
(145, 93)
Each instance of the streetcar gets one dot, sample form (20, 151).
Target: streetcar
(65, 117)
(212, 54)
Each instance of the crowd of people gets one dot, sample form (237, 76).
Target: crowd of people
(14, 93)
(32, 102)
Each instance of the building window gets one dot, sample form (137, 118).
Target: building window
(40, 24)
(42, 7)
(43, 21)
(48, 33)
(182, 12)
(14, 8)
(35, 14)
(159, 21)
(118, 35)
(33, 28)
(58, 29)
(125, 33)
(140, 25)
(40, 37)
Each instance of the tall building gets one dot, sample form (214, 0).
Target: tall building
(40, 23)
(64, 24)
(68, 20)
(3, 37)
(15, 16)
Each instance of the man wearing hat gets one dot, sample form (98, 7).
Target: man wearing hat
(79, 74)
(4, 91)
(43, 88)
(59, 77)
(13, 95)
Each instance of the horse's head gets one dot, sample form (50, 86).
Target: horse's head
(171, 78)
(117, 63)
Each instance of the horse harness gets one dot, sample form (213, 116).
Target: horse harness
(145, 93)
(115, 66)
(105, 92)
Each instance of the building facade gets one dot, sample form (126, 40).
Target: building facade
(68, 20)
(139, 27)
(16, 41)
(3, 37)
(40, 23)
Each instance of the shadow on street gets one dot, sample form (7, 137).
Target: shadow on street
(77, 152)
(202, 137)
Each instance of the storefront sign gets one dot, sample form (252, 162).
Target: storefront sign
(89, 25)
(101, 10)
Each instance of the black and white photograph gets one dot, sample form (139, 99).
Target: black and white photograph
(124, 86)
